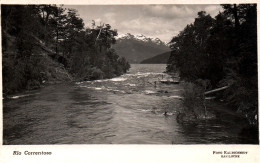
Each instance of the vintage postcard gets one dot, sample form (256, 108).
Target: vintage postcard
(140, 81)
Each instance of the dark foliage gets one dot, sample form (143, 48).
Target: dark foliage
(33, 32)
(222, 50)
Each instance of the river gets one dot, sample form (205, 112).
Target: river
(123, 110)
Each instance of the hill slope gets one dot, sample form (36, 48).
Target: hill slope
(138, 48)
(158, 59)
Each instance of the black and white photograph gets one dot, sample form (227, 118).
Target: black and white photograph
(129, 74)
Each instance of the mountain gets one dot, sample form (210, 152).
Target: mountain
(136, 48)
(158, 59)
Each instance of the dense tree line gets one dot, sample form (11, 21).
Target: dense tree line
(223, 52)
(29, 32)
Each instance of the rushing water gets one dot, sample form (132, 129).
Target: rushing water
(124, 110)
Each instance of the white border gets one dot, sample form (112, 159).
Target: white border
(127, 153)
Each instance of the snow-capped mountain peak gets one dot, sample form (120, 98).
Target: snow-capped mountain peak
(125, 36)
(140, 37)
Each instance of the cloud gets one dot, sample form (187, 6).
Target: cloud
(134, 24)
(110, 18)
(162, 21)
(165, 11)
(98, 20)
(213, 10)
(179, 11)
(154, 27)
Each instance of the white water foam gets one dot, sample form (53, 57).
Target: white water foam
(20, 96)
(115, 90)
(102, 80)
(149, 92)
(118, 79)
(168, 113)
(96, 88)
(129, 84)
(177, 97)
(78, 82)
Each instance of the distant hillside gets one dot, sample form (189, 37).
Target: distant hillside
(136, 48)
(158, 59)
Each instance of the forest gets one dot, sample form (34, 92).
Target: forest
(221, 52)
(34, 36)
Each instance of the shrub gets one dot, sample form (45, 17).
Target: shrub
(194, 99)
(242, 95)
(19, 74)
(96, 73)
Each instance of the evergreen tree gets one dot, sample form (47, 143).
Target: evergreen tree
(224, 51)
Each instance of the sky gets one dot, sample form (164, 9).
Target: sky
(157, 21)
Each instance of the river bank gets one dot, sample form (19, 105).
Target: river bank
(52, 73)
(229, 115)
(198, 108)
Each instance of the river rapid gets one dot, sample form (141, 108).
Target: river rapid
(124, 110)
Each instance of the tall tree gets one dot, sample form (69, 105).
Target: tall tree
(189, 48)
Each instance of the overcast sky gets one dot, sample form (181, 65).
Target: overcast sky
(162, 21)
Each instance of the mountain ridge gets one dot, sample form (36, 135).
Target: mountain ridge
(141, 37)
(136, 48)
(158, 59)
